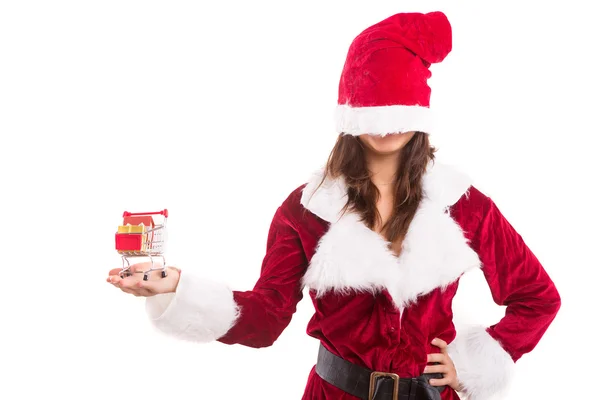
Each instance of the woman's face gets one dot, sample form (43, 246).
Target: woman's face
(387, 144)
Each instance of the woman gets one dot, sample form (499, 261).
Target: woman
(380, 238)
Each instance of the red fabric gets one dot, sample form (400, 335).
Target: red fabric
(515, 276)
(388, 63)
(366, 329)
(267, 310)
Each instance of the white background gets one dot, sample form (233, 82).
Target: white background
(217, 110)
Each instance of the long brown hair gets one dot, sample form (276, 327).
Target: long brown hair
(347, 159)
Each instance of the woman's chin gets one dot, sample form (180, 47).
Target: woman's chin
(388, 144)
(385, 150)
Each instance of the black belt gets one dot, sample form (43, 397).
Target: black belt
(371, 385)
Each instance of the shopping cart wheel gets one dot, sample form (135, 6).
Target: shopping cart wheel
(163, 274)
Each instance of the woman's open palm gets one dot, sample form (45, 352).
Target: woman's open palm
(135, 284)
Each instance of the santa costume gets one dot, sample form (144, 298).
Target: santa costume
(375, 311)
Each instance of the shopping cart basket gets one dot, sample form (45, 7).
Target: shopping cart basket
(141, 236)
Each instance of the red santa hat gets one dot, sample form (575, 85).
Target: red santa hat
(383, 88)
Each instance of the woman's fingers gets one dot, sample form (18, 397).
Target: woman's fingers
(436, 357)
(126, 287)
(446, 366)
(440, 382)
(131, 285)
(434, 369)
(440, 343)
(114, 279)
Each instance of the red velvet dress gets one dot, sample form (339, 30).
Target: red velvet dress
(371, 307)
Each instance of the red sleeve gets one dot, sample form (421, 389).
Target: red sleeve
(517, 280)
(267, 309)
(202, 310)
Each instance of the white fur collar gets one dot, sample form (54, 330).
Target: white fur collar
(350, 256)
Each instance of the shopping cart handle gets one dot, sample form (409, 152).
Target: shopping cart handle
(164, 212)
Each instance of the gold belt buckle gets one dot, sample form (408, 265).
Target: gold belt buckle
(375, 375)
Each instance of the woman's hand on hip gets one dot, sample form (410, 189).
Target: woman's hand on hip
(445, 366)
(136, 285)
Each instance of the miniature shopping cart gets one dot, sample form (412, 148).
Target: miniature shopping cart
(141, 236)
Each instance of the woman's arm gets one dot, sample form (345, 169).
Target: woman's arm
(484, 357)
(204, 311)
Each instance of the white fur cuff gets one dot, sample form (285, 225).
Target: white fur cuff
(484, 368)
(199, 311)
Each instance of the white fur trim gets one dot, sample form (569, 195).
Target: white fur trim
(483, 367)
(200, 310)
(352, 256)
(325, 201)
(444, 184)
(383, 120)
